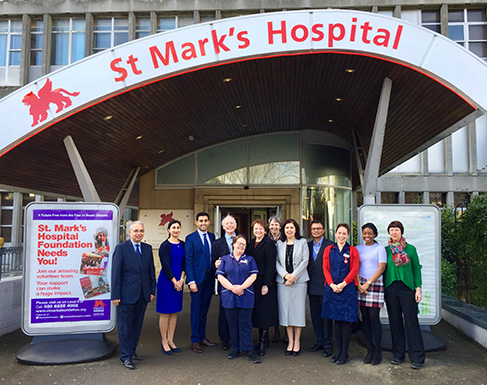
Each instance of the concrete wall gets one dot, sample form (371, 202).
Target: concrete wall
(11, 304)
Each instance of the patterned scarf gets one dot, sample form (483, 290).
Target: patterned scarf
(399, 257)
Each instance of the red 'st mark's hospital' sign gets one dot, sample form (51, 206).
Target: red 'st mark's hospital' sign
(282, 33)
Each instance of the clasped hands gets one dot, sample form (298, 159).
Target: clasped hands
(289, 279)
(178, 285)
(338, 288)
(238, 290)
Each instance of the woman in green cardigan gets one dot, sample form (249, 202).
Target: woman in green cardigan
(402, 281)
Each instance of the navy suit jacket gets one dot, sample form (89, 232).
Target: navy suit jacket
(316, 283)
(130, 278)
(194, 253)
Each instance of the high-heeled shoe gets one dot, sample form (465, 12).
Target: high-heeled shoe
(167, 352)
(289, 352)
(175, 350)
(296, 353)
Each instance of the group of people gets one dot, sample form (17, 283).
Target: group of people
(263, 283)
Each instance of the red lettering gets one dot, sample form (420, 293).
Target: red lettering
(243, 39)
(202, 46)
(398, 37)
(294, 33)
(366, 28)
(331, 34)
(189, 51)
(271, 32)
(132, 60)
(382, 39)
(218, 43)
(156, 54)
(354, 29)
(122, 71)
(318, 34)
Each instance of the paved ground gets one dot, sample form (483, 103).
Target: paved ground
(464, 362)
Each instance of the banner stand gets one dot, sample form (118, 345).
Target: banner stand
(66, 349)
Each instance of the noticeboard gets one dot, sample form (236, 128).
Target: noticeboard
(67, 264)
(422, 229)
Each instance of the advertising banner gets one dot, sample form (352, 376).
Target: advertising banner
(67, 262)
(422, 229)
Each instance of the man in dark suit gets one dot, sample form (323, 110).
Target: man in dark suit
(220, 248)
(133, 286)
(200, 275)
(323, 328)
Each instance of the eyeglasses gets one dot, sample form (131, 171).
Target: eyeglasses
(240, 244)
(316, 228)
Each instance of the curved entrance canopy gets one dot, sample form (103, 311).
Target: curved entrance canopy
(190, 88)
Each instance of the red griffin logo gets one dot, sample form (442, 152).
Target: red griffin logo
(99, 303)
(166, 218)
(39, 104)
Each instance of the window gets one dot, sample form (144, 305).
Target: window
(166, 23)
(110, 32)
(460, 150)
(68, 41)
(481, 128)
(142, 27)
(436, 158)
(10, 45)
(36, 42)
(6, 213)
(431, 20)
(468, 27)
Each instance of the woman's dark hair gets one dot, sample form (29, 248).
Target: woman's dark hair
(372, 227)
(396, 224)
(172, 223)
(346, 225)
(260, 222)
(296, 226)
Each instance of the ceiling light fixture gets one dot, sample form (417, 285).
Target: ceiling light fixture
(108, 117)
(227, 80)
(138, 137)
(350, 70)
(191, 138)
(160, 151)
(338, 99)
(238, 106)
(330, 120)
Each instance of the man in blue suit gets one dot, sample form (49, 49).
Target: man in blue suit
(133, 286)
(323, 328)
(200, 275)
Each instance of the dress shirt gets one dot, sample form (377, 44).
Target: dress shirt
(316, 248)
(229, 239)
(202, 237)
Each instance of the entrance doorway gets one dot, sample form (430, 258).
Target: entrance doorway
(244, 217)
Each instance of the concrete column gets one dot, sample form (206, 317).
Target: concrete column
(39, 198)
(46, 44)
(448, 156)
(450, 198)
(378, 198)
(397, 12)
(424, 163)
(132, 25)
(371, 173)
(196, 17)
(401, 197)
(472, 148)
(153, 23)
(17, 220)
(25, 50)
(426, 197)
(444, 19)
(89, 34)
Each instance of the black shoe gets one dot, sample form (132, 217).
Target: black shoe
(136, 357)
(416, 365)
(296, 353)
(129, 364)
(224, 345)
(252, 357)
(315, 348)
(176, 350)
(334, 358)
(342, 361)
(368, 357)
(326, 353)
(167, 352)
(289, 352)
(396, 361)
(377, 359)
(233, 355)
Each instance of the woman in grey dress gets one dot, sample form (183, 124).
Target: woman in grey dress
(292, 275)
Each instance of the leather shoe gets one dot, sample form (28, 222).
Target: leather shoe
(224, 345)
(205, 342)
(252, 357)
(167, 352)
(342, 361)
(289, 352)
(136, 357)
(296, 353)
(416, 365)
(195, 347)
(315, 348)
(326, 353)
(334, 358)
(176, 350)
(396, 361)
(129, 364)
(233, 355)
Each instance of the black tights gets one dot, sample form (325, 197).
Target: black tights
(372, 329)
(343, 332)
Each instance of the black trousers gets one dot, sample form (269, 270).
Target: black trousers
(402, 310)
(323, 327)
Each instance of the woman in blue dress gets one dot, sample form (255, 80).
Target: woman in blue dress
(340, 267)
(170, 286)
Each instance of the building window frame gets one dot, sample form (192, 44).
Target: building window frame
(73, 31)
(116, 28)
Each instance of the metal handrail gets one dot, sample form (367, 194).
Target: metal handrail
(11, 261)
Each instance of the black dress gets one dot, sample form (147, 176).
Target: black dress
(264, 314)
